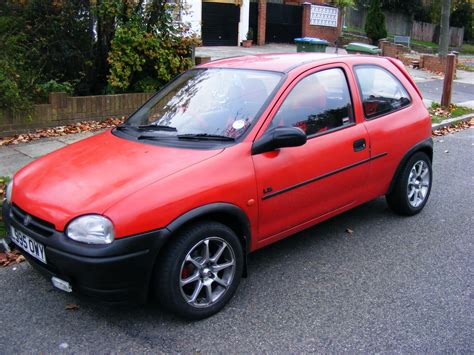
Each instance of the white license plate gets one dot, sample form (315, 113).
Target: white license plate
(28, 244)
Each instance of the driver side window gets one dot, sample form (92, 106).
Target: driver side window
(320, 102)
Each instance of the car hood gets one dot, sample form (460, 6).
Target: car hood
(93, 174)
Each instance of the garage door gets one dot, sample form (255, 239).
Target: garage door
(220, 24)
(284, 23)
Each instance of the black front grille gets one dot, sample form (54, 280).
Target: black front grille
(32, 223)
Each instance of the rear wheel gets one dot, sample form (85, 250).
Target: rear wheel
(412, 187)
(200, 271)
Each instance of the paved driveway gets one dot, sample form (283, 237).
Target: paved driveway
(395, 284)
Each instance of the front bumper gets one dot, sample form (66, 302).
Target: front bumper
(120, 271)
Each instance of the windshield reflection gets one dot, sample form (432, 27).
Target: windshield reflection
(212, 102)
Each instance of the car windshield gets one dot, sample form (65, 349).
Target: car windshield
(205, 104)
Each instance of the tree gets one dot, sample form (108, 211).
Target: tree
(88, 47)
(375, 22)
(149, 48)
(444, 28)
(462, 16)
(403, 6)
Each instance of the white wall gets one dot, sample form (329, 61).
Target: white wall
(193, 15)
(244, 20)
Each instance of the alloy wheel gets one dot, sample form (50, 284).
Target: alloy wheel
(207, 272)
(418, 183)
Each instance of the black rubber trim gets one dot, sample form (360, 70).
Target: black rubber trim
(320, 177)
(426, 144)
(209, 210)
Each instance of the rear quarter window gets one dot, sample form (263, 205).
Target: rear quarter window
(381, 92)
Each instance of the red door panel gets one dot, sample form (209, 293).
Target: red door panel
(298, 184)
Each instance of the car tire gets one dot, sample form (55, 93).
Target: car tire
(412, 186)
(215, 276)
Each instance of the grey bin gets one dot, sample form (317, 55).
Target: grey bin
(362, 48)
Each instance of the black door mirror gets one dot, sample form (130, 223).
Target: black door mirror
(278, 138)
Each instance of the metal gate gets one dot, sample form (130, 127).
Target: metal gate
(220, 24)
(284, 23)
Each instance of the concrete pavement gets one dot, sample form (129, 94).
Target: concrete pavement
(13, 157)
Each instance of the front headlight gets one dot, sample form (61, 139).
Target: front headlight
(8, 193)
(91, 229)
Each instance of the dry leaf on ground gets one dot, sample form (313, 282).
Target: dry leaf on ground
(454, 128)
(71, 307)
(80, 127)
(14, 257)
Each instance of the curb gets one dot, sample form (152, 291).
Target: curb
(452, 121)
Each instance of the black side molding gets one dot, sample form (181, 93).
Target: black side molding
(423, 146)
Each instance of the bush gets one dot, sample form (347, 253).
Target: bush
(375, 22)
(144, 58)
(43, 89)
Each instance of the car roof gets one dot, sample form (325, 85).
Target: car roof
(277, 62)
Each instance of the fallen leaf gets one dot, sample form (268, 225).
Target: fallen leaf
(80, 127)
(72, 307)
(11, 258)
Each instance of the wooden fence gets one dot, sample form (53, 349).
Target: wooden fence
(63, 109)
(429, 32)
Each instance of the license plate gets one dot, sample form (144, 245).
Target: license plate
(28, 244)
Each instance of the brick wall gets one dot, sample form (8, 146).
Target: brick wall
(262, 21)
(435, 64)
(393, 50)
(331, 34)
(63, 109)
(432, 63)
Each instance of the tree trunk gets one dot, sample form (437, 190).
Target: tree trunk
(444, 28)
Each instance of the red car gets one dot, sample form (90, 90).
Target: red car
(229, 157)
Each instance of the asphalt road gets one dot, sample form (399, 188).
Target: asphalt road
(433, 90)
(395, 285)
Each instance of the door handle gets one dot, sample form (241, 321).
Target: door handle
(359, 145)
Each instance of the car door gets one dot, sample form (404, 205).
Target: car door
(300, 184)
(392, 121)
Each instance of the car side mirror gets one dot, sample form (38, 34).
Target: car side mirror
(279, 137)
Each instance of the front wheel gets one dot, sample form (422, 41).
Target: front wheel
(412, 187)
(199, 271)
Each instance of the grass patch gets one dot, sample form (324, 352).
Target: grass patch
(4, 180)
(467, 48)
(439, 114)
(465, 67)
(425, 43)
(460, 111)
(355, 30)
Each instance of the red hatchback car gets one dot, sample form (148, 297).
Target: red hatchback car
(229, 157)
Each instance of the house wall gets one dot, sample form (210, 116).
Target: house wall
(331, 34)
(244, 20)
(192, 15)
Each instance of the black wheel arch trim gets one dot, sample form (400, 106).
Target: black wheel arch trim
(425, 145)
(213, 209)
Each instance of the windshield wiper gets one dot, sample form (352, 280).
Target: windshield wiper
(155, 127)
(123, 127)
(205, 136)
